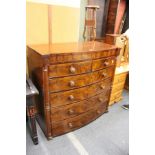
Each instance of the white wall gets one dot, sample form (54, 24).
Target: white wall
(69, 3)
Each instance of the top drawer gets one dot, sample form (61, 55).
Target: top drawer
(69, 69)
(103, 63)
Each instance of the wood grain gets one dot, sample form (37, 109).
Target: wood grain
(74, 109)
(117, 87)
(74, 48)
(103, 63)
(67, 97)
(71, 124)
(67, 69)
(76, 81)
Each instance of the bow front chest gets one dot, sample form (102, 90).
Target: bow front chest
(74, 82)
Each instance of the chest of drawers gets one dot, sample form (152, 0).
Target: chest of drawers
(74, 82)
(118, 84)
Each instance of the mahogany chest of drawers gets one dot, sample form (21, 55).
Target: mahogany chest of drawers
(74, 82)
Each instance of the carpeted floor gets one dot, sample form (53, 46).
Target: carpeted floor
(107, 135)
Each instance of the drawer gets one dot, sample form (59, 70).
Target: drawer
(117, 87)
(67, 69)
(115, 100)
(74, 109)
(67, 97)
(71, 124)
(119, 78)
(71, 82)
(116, 95)
(103, 63)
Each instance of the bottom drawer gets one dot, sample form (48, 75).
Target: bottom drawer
(115, 95)
(74, 109)
(115, 100)
(71, 124)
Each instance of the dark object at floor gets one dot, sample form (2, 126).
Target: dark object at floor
(127, 82)
(126, 107)
(31, 91)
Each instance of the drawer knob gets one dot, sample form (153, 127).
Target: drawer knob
(72, 83)
(70, 111)
(102, 86)
(70, 125)
(71, 97)
(100, 99)
(106, 63)
(98, 111)
(104, 74)
(72, 69)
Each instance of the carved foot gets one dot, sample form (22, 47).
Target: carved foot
(50, 138)
(35, 140)
(107, 111)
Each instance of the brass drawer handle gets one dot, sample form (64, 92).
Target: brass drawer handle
(100, 99)
(102, 86)
(104, 74)
(98, 111)
(70, 111)
(71, 97)
(71, 83)
(70, 125)
(72, 69)
(106, 63)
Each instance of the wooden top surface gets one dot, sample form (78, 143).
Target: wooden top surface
(79, 47)
(93, 6)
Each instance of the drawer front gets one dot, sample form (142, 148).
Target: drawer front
(74, 109)
(103, 63)
(117, 87)
(119, 78)
(73, 57)
(116, 95)
(71, 82)
(115, 100)
(67, 125)
(67, 97)
(67, 69)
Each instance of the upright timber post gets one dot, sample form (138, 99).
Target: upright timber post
(90, 22)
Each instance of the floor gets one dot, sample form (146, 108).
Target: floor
(107, 135)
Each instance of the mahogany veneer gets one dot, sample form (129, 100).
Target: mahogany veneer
(74, 81)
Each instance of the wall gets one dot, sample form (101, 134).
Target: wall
(36, 23)
(64, 17)
(69, 3)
